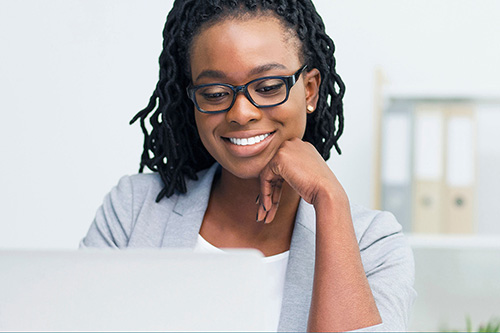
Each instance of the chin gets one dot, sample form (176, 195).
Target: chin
(252, 172)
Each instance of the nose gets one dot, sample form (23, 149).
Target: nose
(243, 111)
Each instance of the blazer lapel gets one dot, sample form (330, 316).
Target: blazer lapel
(184, 222)
(300, 271)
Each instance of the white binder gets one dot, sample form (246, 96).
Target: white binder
(444, 168)
(396, 162)
(460, 170)
(428, 169)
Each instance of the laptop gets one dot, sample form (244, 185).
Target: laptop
(130, 290)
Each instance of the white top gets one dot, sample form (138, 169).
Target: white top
(276, 268)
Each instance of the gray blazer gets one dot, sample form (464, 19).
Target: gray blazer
(130, 217)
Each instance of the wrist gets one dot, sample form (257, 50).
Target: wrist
(331, 197)
(332, 209)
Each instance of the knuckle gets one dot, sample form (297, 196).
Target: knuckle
(308, 144)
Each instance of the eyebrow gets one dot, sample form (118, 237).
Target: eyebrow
(211, 74)
(266, 67)
(257, 70)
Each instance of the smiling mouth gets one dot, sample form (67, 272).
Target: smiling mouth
(248, 141)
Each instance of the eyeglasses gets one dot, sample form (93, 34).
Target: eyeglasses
(264, 92)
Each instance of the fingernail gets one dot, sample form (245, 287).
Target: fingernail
(264, 207)
(263, 219)
(257, 200)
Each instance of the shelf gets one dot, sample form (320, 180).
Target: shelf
(453, 241)
(490, 95)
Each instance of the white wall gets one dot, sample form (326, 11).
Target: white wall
(73, 72)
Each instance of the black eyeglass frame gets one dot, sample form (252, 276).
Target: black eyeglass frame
(289, 80)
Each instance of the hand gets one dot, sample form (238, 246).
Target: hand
(302, 167)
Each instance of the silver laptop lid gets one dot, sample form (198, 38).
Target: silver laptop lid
(143, 290)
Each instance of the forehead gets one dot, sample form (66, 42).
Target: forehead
(236, 46)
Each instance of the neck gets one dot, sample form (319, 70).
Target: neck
(242, 193)
(231, 216)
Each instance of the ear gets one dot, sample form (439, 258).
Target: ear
(312, 81)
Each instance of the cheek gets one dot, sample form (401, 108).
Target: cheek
(201, 127)
(297, 117)
(206, 125)
(302, 125)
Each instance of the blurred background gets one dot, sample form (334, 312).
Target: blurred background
(421, 138)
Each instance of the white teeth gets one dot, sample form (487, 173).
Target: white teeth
(248, 141)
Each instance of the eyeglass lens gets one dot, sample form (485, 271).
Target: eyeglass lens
(264, 92)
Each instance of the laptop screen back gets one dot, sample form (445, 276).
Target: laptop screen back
(132, 290)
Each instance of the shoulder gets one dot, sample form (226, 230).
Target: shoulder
(370, 223)
(148, 185)
(379, 235)
(130, 214)
(139, 184)
(382, 245)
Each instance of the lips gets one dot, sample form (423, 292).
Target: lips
(248, 141)
(247, 144)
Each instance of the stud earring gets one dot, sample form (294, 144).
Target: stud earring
(310, 109)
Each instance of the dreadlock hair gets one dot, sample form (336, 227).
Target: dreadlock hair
(173, 147)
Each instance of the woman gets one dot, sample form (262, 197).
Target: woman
(246, 110)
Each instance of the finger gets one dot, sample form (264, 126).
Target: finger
(268, 198)
(262, 211)
(266, 195)
(261, 214)
(277, 186)
(270, 191)
(276, 196)
(268, 179)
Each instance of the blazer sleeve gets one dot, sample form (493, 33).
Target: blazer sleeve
(113, 221)
(390, 269)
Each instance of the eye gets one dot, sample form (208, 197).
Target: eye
(269, 87)
(213, 94)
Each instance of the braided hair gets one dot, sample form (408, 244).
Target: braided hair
(173, 147)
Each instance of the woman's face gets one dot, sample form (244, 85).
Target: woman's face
(235, 52)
